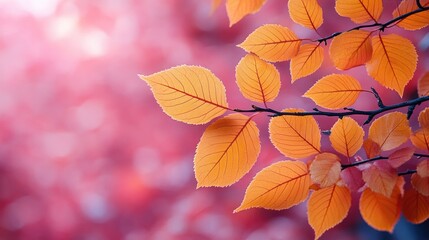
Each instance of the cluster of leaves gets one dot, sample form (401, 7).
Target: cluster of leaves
(230, 145)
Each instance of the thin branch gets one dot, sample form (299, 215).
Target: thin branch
(418, 155)
(344, 166)
(407, 172)
(419, 4)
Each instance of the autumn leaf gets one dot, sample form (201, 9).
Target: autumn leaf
(257, 80)
(227, 151)
(421, 184)
(351, 49)
(325, 169)
(423, 168)
(393, 62)
(295, 136)
(352, 177)
(237, 9)
(360, 11)
(189, 94)
(308, 60)
(307, 13)
(420, 139)
(424, 118)
(272, 42)
(328, 207)
(372, 149)
(390, 130)
(415, 206)
(380, 178)
(278, 186)
(423, 85)
(335, 91)
(379, 211)
(413, 22)
(346, 136)
(215, 4)
(400, 156)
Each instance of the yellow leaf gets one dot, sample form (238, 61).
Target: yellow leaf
(295, 136)
(424, 118)
(423, 84)
(420, 139)
(423, 168)
(325, 169)
(360, 11)
(328, 207)
(334, 91)
(415, 21)
(257, 80)
(279, 186)
(307, 13)
(421, 184)
(272, 42)
(346, 136)
(237, 9)
(381, 178)
(189, 94)
(415, 206)
(372, 149)
(227, 151)
(379, 211)
(308, 60)
(351, 49)
(401, 156)
(393, 62)
(390, 131)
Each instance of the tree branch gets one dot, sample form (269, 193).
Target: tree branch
(407, 172)
(345, 166)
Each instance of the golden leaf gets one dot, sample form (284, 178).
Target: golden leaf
(424, 118)
(307, 13)
(295, 136)
(423, 85)
(420, 139)
(279, 186)
(189, 94)
(237, 9)
(346, 136)
(272, 42)
(381, 178)
(325, 169)
(360, 11)
(393, 62)
(308, 60)
(227, 151)
(415, 21)
(390, 131)
(257, 80)
(335, 91)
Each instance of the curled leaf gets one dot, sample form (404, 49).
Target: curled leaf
(328, 207)
(413, 22)
(278, 186)
(257, 80)
(415, 206)
(189, 94)
(295, 136)
(335, 91)
(390, 131)
(346, 136)
(308, 60)
(272, 42)
(307, 13)
(227, 151)
(325, 169)
(351, 49)
(360, 11)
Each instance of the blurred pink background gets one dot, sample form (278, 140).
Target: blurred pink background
(85, 151)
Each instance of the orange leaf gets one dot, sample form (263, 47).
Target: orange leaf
(360, 11)
(295, 136)
(258, 80)
(423, 85)
(227, 151)
(415, 206)
(237, 9)
(308, 60)
(423, 168)
(334, 91)
(352, 177)
(400, 156)
(424, 118)
(328, 207)
(189, 94)
(415, 21)
(307, 13)
(278, 186)
(351, 49)
(421, 184)
(325, 169)
(390, 130)
(216, 4)
(372, 149)
(393, 62)
(272, 42)
(381, 178)
(346, 136)
(420, 139)
(379, 211)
